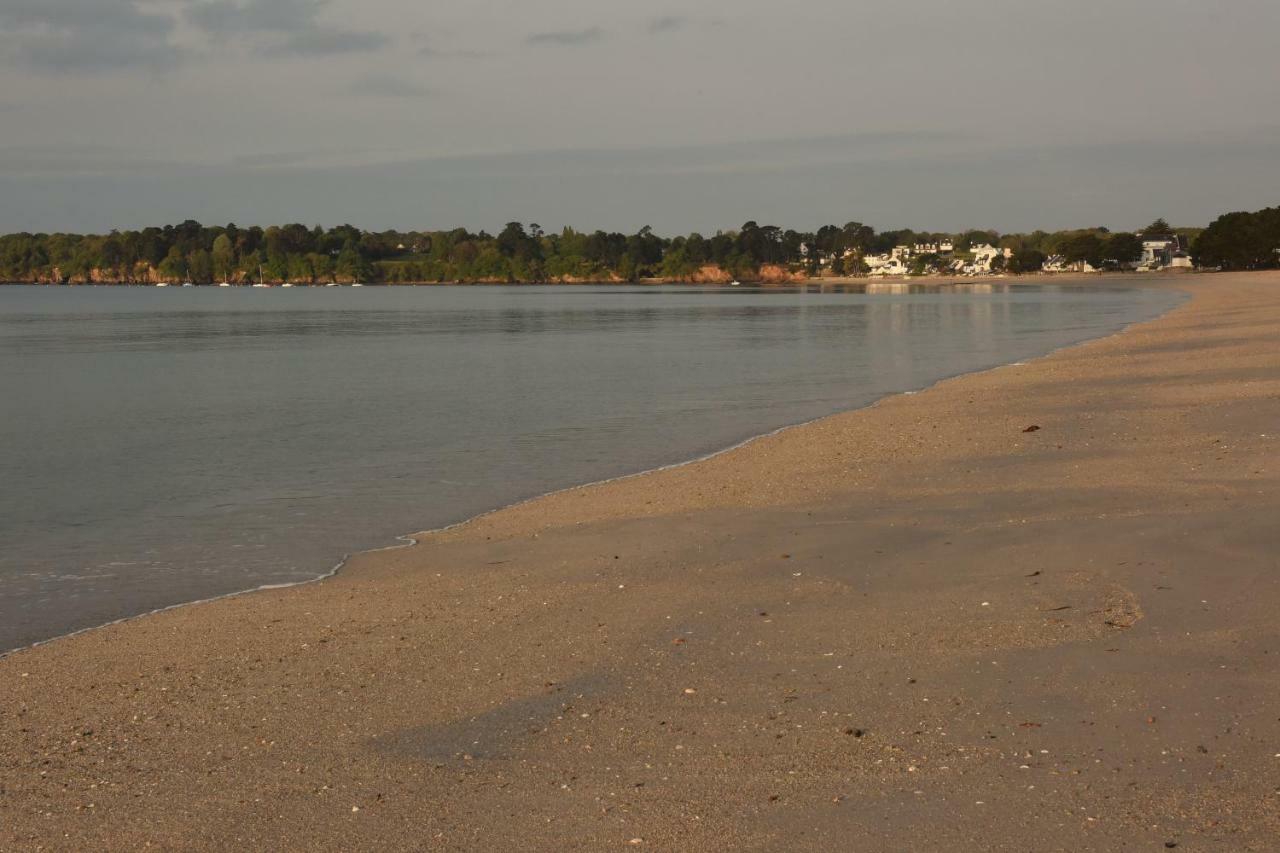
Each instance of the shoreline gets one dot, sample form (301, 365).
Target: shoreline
(410, 540)
(485, 631)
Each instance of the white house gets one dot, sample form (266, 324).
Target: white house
(1058, 263)
(984, 256)
(1157, 253)
(1162, 252)
(880, 265)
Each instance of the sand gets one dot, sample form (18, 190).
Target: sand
(915, 626)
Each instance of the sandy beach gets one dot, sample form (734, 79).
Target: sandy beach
(1028, 609)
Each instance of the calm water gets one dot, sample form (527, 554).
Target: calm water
(162, 446)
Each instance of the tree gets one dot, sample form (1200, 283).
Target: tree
(1159, 228)
(175, 264)
(351, 265)
(924, 264)
(750, 242)
(828, 240)
(1241, 241)
(1123, 248)
(645, 249)
(300, 270)
(321, 266)
(223, 256)
(199, 267)
(1026, 261)
(111, 255)
(1084, 248)
(857, 236)
(513, 242)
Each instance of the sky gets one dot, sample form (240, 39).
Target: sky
(425, 114)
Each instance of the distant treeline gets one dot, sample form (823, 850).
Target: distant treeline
(206, 254)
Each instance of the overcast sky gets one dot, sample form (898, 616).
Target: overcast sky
(935, 114)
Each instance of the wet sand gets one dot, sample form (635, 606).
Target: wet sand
(914, 626)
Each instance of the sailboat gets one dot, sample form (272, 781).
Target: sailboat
(262, 281)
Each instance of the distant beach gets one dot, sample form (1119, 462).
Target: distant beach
(1029, 608)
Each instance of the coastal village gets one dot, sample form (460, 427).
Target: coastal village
(1159, 252)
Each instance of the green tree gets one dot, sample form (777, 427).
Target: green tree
(276, 267)
(857, 236)
(925, 264)
(199, 267)
(351, 265)
(1240, 241)
(514, 242)
(1123, 248)
(223, 257)
(321, 266)
(1084, 248)
(1026, 261)
(174, 266)
(300, 269)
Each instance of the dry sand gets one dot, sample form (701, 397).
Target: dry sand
(909, 627)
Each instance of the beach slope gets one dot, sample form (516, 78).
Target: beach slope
(1029, 609)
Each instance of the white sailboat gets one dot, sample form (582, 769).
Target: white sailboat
(262, 281)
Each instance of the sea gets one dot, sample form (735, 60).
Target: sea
(164, 446)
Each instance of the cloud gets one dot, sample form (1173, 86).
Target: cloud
(76, 159)
(322, 42)
(429, 50)
(228, 17)
(668, 24)
(386, 86)
(567, 38)
(294, 25)
(69, 36)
